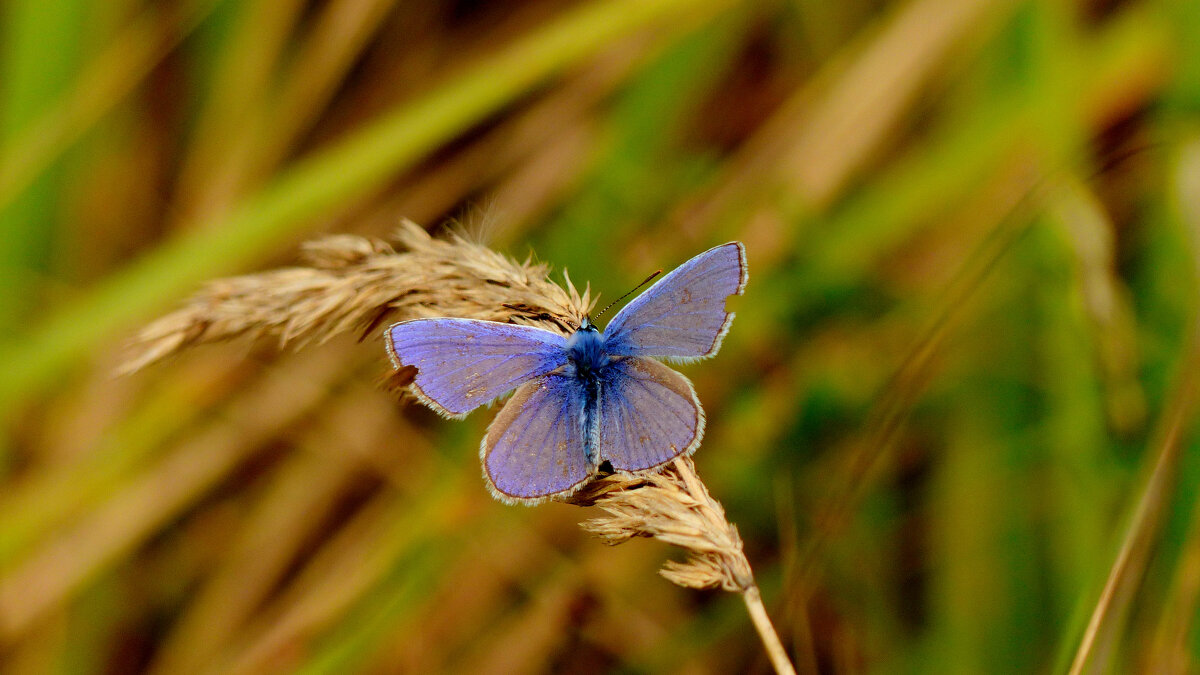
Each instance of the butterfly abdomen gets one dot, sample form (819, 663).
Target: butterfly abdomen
(589, 421)
(586, 356)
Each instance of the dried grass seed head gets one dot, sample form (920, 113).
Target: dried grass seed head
(673, 506)
(350, 283)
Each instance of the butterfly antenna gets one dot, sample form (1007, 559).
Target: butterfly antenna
(601, 313)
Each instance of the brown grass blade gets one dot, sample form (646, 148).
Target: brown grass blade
(304, 490)
(831, 126)
(341, 33)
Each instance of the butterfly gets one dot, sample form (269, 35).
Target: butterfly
(582, 400)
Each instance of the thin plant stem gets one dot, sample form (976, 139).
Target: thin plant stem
(766, 631)
(749, 589)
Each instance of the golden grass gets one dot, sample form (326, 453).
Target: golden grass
(355, 284)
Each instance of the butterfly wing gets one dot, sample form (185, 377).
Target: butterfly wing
(537, 446)
(464, 363)
(683, 315)
(649, 415)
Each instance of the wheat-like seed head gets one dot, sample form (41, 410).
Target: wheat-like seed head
(673, 506)
(350, 283)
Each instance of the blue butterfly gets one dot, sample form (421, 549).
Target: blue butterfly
(582, 400)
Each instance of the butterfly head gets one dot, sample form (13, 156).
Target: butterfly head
(585, 348)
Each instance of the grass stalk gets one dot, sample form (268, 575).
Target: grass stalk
(766, 632)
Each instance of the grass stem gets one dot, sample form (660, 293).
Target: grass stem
(766, 631)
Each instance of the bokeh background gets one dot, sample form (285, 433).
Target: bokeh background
(953, 419)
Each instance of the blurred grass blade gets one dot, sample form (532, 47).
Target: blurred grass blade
(1170, 650)
(40, 47)
(303, 494)
(1091, 237)
(240, 87)
(371, 551)
(1123, 64)
(230, 158)
(875, 91)
(46, 500)
(1177, 422)
(54, 570)
(348, 169)
(1096, 646)
(106, 79)
(891, 410)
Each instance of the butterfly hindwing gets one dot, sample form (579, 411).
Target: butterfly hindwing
(536, 446)
(649, 414)
(683, 315)
(465, 363)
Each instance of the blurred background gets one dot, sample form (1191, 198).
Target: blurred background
(953, 419)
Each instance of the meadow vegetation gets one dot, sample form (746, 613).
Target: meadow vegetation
(953, 421)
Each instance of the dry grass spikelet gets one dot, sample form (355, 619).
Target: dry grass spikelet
(672, 506)
(350, 283)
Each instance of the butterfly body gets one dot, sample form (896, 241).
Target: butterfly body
(583, 399)
(586, 362)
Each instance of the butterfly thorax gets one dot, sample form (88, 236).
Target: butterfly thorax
(585, 349)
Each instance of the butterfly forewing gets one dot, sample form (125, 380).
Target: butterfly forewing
(464, 363)
(535, 448)
(649, 415)
(682, 316)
